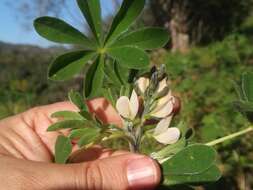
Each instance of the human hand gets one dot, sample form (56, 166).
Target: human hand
(26, 154)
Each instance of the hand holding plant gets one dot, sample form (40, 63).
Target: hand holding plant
(142, 97)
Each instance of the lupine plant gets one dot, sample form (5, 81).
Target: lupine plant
(118, 68)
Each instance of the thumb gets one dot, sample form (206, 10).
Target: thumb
(123, 172)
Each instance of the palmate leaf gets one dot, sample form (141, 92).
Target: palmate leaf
(145, 38)
(63, 148)
(130, 57)
(57, 30)
(247, 86)
(94, 78)
(92, 12)
(127, 14)
(67, 65)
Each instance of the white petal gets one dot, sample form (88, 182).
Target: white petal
(164, 110)
(143, 84)
(123, 106)
(171, 136)
(162, 101)
(162, 85)
(163, 125)
(134, 104)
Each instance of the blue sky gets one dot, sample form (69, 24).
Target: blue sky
(13, 31)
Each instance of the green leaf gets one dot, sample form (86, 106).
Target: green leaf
(107, 92)
(76, 133)
(145, 38)
(67, 115)
(170, 150)
(244, 106)
(87, 115)
(89, 136)
(247, 86)
(77, 99)
(194, 159)
(110, 74)
(212, 174)
(130, 57)
(63, 148)
(94, 78)
(239, 91)
(127, 14)
(57, 30)
(68, 124)
(67, 65)
(92, 12)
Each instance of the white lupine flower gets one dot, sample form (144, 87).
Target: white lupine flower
(128, 108)
(164, 134)
(143, 84)
(164, 107)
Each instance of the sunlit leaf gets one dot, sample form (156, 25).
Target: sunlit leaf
(127, 14)
(63, 148)
(94, 78)
(57, 30)
(92, 12)
(67, 65)
(67, 115)
(67, 124)
(130, 57)
(145, 38)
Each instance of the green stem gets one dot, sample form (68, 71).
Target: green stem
(229, 137)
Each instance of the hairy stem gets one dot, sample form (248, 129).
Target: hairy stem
(229, 137)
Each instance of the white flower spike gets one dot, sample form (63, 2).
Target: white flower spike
(143, 84)
(128, 108)
(165, 135)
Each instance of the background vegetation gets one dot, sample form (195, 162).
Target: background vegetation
(209, 48)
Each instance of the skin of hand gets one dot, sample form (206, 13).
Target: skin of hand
(26, 156)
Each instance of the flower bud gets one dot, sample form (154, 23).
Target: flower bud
(176, 105)
(142, 84)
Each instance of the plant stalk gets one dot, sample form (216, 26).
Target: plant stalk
(229, 137)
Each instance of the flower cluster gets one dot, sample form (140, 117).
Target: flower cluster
(155, 101)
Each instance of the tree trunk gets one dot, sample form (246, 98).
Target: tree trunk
(180, 39)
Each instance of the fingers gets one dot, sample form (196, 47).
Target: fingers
(123, 172)
(104, 110)
(100, 106)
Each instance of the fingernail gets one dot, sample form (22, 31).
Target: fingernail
(142, 173)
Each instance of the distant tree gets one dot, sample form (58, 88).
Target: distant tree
(198, 21)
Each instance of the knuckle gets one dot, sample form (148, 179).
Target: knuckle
(92, 176)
